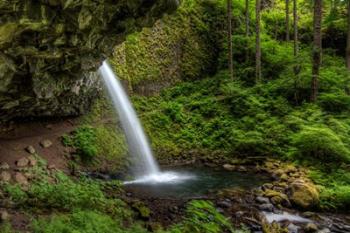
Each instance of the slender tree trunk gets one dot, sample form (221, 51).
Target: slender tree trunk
(287, 21)
(295, 31)
(247, 18)
(229, 37)
(257, 43)
(296, 49)
(317, 49)
(348, 40)
(247, 29)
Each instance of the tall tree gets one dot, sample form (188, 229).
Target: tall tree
(295, 33)
(247, 18)
(296, 49)
(348, 40)
(229, 37)
(317, 49)
(257, 42)
(287, 21)
(247, 28)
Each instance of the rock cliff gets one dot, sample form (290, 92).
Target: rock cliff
(50, 50)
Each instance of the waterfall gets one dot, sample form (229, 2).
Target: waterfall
(136, 138)
(146, 167)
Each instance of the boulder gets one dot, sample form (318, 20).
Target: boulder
(303, 194)
(22, 162)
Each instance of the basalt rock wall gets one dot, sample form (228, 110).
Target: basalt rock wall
(50, 50)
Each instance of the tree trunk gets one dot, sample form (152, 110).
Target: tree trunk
(287, 21)
(296, 50)
(348, 40)
(247, 29)
(317, 49)
(229, 37)
(257, 42)
(295, 31)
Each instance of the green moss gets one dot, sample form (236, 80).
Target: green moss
(177, 47)
(320, 143)
(7, 33)
(83, 222)
(84, 140)
(334, 185)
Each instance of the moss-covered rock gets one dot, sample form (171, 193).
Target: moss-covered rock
(50, 49)
(304, 194)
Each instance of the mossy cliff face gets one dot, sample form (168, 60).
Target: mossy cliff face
(181, 46)
(50, 50)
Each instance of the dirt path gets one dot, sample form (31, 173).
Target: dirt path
(14, 139)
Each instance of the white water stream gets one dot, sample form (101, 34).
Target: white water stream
(146, 168)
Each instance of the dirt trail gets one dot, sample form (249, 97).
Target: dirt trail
(16, 137)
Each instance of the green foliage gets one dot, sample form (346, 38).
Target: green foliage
(320, 143)
(84, 140)
(335, 187)
(6, 227)
(183, 35)
(83, 222)
(66, 194)
(202, 217)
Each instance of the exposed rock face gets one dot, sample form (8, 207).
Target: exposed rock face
(50, 50)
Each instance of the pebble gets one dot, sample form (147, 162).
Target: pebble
(224, 204)
(266, 207)
(310, 227)
(292, 228)
(22, 162)
(51, 167)
(46, 143)
(4, 216)
(242, 169)
(5, 176)
(30, 150)
(21, 179)
(229, 167)
(4, 166)
(32, 160)
(262, 200)
(324, 230)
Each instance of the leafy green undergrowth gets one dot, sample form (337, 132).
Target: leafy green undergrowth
(84, 139)
(201, 217)
(59, 192)
(5, 227)
(80, 221)
(334, 186)
(101, 145)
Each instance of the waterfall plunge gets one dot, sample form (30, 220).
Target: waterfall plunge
(147, 170)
